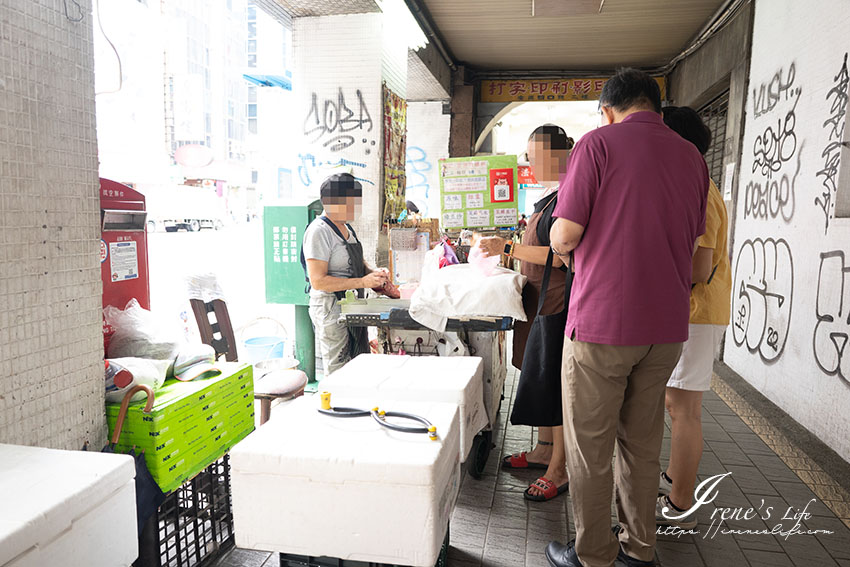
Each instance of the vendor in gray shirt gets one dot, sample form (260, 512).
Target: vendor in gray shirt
(335, 264)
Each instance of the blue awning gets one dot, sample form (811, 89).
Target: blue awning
(270, 81)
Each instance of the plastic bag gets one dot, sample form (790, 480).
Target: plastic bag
(141, 371)
(204, 287)
(486, 265)
(139, 334)
(462, 291)
(449, 254)
(431, 263)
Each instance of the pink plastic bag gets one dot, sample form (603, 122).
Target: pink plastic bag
(486, 265)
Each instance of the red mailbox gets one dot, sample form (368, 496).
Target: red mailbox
(123, 248)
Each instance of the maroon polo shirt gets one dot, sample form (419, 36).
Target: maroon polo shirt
(640, 190)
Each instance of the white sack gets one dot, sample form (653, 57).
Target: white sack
(463, 291)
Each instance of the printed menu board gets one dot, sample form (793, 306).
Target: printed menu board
(478, 192)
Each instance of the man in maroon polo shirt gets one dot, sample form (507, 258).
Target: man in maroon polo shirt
(631, 208)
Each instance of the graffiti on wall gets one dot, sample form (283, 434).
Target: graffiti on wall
(338, 135)
(762, 297)
(832, 310)
(834, 125)
(417, 179)
(770, 194)
(309, 165)
(337, 126)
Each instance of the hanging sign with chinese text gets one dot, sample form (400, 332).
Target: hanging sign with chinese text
(525, 90)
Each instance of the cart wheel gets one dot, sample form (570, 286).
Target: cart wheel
(443, 559)
(193, 226)
(481, 448)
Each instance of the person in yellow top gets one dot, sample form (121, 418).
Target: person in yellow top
(710, 311)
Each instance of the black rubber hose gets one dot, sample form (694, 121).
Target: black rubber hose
(380, 417)
(345, 412)
(402, 428)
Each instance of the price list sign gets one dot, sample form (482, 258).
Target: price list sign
(478, 192)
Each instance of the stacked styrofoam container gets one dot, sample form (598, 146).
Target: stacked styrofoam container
(348, 488)
(385, 379)
(66, 508)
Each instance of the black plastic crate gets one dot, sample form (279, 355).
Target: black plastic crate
(289, 560)
(194, 526)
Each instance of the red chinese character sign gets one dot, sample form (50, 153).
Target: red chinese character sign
(526, 176)
(547, 89)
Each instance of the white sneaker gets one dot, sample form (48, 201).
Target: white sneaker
(663, 505)
(664, 486)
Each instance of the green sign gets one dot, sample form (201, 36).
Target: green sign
(283, 233)
(478, 192)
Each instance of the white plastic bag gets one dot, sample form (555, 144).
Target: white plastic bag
(139, 334)
(463, 291)
(144, 371)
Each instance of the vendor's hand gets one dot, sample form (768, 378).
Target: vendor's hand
(374, 279)
(492, 245)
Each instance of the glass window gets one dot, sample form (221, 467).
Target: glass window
(252, 46)
(252, 93)
(252, 125)
(255, 176)
(252, 60)
(252, 12)
(252, 111)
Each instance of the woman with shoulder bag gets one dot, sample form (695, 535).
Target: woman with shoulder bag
(538, 343)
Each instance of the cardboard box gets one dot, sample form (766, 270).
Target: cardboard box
(191, 423)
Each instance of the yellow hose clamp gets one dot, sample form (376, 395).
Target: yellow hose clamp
(326, 400)
(382, 413)
(376, 409)
(432, 433)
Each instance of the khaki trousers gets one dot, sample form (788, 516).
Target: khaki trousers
(614, 394)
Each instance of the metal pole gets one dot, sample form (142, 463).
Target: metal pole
(305, 341)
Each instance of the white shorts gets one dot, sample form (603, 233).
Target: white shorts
(695, 367)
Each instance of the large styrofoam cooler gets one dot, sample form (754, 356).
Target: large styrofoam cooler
(383, 379)
(310, 484)
(66, 508)
(492, 348)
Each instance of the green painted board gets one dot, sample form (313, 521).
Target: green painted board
(478, 192)
(283, 234)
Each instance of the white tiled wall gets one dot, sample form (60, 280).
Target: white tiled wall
(51, 346)
(351, 54)
(336, 54)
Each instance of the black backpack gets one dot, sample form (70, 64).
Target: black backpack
(338, 233)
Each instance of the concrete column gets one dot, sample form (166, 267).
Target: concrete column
(463, 116)
(341, 63)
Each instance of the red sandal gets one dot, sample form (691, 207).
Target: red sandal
(520, 461)
(549, 489)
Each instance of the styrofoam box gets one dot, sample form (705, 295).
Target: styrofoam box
(348, 488)
(493, 351)
(66, 508)
(383, 379)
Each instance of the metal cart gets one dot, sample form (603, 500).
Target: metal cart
(484, 337)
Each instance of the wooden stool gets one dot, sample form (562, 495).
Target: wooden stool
(278, 385)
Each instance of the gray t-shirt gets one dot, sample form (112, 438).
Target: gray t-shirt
(322, 243)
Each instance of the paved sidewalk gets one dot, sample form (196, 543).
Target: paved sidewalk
(493, 526)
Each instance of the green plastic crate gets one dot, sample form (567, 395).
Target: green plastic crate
(191, 423)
